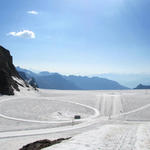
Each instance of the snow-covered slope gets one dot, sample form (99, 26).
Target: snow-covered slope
(24, 87)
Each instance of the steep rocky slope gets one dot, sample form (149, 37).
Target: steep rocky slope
(10, 80)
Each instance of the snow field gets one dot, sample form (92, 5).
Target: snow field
(143, 138)
(114, 106)
(108, 137)
(134, 101)
(41, 110)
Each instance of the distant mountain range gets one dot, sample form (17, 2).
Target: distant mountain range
(141, 86)
(129, 80)
(47, 80)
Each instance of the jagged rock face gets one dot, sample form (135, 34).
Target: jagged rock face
(7, 70)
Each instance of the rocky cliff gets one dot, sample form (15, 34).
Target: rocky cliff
(9, 77)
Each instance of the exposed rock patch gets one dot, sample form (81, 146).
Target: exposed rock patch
(38, 145)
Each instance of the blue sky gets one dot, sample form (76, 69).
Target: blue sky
(77, 36)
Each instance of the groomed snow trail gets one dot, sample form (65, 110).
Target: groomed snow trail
(108, 137)
(21, 133)
(110, 105)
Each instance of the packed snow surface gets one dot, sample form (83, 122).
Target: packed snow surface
(109, 137)
(44, 109)
(110, 120)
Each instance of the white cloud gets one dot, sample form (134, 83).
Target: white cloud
(24, 33)
(33, 12)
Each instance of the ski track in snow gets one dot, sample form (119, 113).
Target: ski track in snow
(82, 122)
(11, 134)
(49, 122)
(109, 105)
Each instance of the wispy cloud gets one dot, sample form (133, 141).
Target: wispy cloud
(33, 12)
(24, 33)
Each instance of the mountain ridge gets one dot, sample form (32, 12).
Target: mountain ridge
(49, 80)
(141, 86)
(130, 80)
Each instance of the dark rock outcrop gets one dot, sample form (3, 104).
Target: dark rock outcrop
(38, 145)
(141, 86)
(7, 71)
